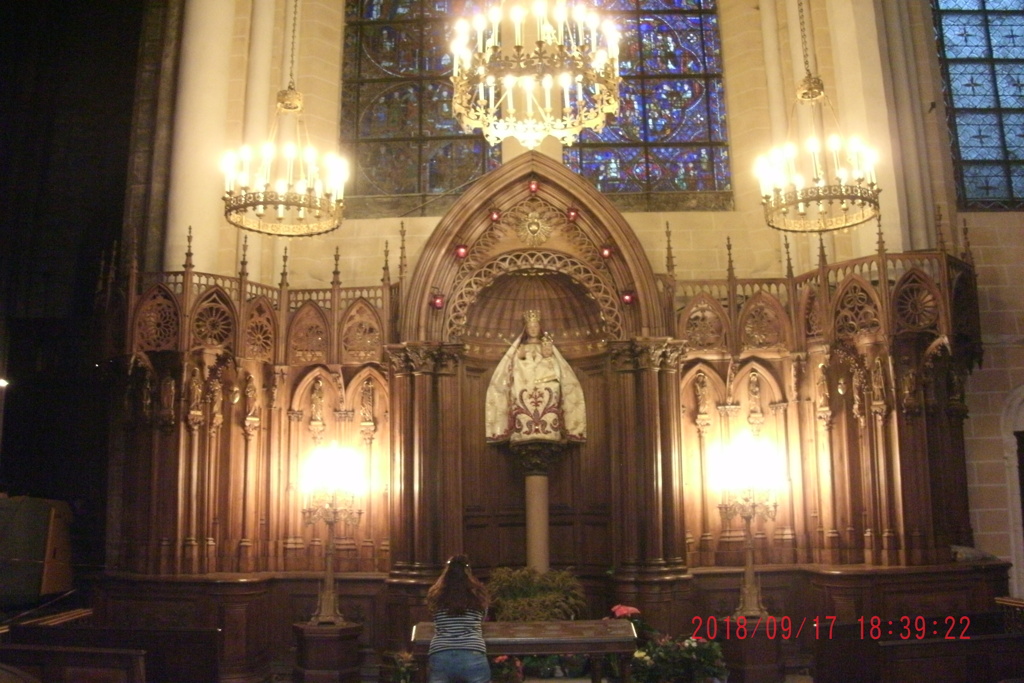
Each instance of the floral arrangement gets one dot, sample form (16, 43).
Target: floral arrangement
(671, 659)
(507, 669)
(403, 666)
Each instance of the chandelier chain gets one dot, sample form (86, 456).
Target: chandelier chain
(291, 56)
(803, 39)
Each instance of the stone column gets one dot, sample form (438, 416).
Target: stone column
(200, 117)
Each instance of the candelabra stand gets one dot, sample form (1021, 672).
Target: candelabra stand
(325, 507)
(748, 505)
(327, 645)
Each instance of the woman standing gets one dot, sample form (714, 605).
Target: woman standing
(458, 602)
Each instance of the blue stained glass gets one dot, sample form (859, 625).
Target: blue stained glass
(712, 44)
(985, 182)
(1010, 83)
(437, 110)
(676, 111)
(615, 169)
(437, 56)
(387, 168)
(629, 49)
(983, 55)
(979, 136)
(959, 4)
(671, 44)
(1006, 32)
(671, 104)
(964, 35)
(384, 10)
(716, 111)
(628, 125)
(447, 163)
(1013, 134)
(391, 113)
(972, 86)
(391, 50)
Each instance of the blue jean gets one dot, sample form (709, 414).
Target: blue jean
(459, 666)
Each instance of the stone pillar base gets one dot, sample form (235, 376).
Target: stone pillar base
(326, 654)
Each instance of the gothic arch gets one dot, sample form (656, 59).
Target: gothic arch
(763, 324)
(309, 336)
(259, 339)
(856, 311)
(157, 321)
(582, 220)
(596, 286)
(214, 321)
(360, 336)
(703, 324)
(917, 304)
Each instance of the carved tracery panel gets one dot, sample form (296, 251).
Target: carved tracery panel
(856, 313)
(762, 325)
(308, 341)
(213, 322)
(260, 335)
(916, 304)
(361, 339)
(703, 324)
(157, 323)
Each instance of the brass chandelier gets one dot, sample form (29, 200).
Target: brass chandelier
(831, 185)
(285, 189)
(552, 70)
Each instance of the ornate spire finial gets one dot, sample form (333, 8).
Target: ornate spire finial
(244, 271)
(670, 262)
(789, 257)
(728, 251)
(822, 261)
(336, 282)
(284, 269)
(188, 250)
(881, 238)
(401, 253)
(386, 278)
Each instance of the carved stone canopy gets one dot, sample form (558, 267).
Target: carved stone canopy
(566, 311)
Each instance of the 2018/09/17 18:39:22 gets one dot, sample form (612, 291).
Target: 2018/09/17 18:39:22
(823, 627)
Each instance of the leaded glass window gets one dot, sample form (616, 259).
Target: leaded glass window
(981, 47)
(670, 134)
(397, 125)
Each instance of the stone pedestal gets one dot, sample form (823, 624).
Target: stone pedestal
(326, 653)
(756, 659)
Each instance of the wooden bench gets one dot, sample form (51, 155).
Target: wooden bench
(173, 655)
(599, 638)
(58, 664)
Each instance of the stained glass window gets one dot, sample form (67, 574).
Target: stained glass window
(981, 47)
(397, 127)
(670, 134)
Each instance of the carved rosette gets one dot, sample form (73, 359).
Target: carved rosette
(156, 325)
(538, 457)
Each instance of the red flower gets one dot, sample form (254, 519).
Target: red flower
(621, 611)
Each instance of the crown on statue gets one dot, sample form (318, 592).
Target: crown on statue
(531, 316)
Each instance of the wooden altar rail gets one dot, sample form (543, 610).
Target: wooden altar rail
(611, 637)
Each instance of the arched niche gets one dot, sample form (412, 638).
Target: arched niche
(532, 215)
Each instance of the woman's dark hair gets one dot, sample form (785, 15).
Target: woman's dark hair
(457, 590)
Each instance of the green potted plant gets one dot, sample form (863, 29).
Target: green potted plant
(678, 659)
(525, 594)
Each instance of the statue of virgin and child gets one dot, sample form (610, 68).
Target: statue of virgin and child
(534, 395)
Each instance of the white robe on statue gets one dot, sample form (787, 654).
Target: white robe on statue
(537, 398)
